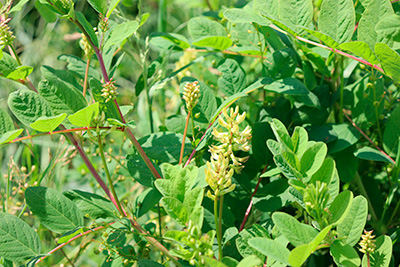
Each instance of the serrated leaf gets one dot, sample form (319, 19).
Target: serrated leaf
(120, 33)
(216, 42)
(369, 153)
(344, 255)
(48, 124)
(83, 117)
(200, 27)
(55, 211)
(337, 19)
(361, 49)
(297, 233)
(28, 106)
(340, 207)
(233, 78)
(382, 255)
(6, 123)
(61, 96)
(271, 248)
(350, 229)
(88, 27)
(9, 136)
(374, 12)
(389, 60)
(18, 241)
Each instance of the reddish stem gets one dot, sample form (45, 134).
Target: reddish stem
(246, 215)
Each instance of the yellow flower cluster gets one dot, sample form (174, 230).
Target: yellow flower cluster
(191, 94)
(6, 35)
(367, 242)
(109, 91)
(223, 162)
(87, 48)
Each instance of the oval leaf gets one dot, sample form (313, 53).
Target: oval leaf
(48, 124)
(83, 117)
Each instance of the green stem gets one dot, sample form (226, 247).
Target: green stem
(184, 137)
(217, 227)
(341, 91)
(110, 182)
(221, 206)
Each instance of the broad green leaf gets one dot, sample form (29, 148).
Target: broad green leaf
(174, 208)
(99, 5)
(48, 124)
(281, 63)
(54, 210)
(6, 123)
(112, 6)
(344, 255)
(300, 141)
(289, 86)
(146, 201)
(18, 241)
(350, 229)
(325, 173)
(139, 171)
(280, 24)
(389, 60)
(164, 146)
(369, 153)
(388, 29)
(61, 96)
(382, 254)
(295, 14)
(289, 164)
(63, 76)
(337, 19)
(7, 62)
(212, 262)
(347, 136)
(200, 27)
(148, 263)
(18, 7)
(361, 49)
(271, 248)
(300, 254)
(28, 106)
(374, 12)
(233, 78)
(250, 261)
(281, 134)
(313, 158)
(120, 33)
(392, 133)
(216, 42)
(94, 205)
(340, 207)
(45, 12)
(9, 136)
(20, 72)
(297, 233)
(174, 38)
(242, 240)
(88, 27)
(65, 237)
(244, 15)
(78, 66)
(83, 117)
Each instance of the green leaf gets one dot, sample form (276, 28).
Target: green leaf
(313, 158)
(99, 5)
(361, 49)
(65, 237)
(300, 254)
(6, 123)
(109, 107)
(281, 134)
(295, 14)
(200, 27)
(389, 60)
(216, 42)
(369, 153)
(55, 211)
(165, 146)
(83, 117)
(20, 72)
(146, 201)
(45, 12)
(382, 254)
(94, 205)
(48, 124)
(244, 15)
(139, 171)
(281, 63)
(325, 173)
(374, 12)
(233, 78)
(28, 106)
(350, 229)
(113, 5)
(392, 133)
(174, 38)
(297, 233)
(174, 208)
(78, 67)
(120, 33)
(289, 164)
(344, 255)
(388, 29)
(300, 141)
(271, 248)
(340, 207)
(9, 136)
(337, 19)
(212, 262)
(250, 261)
(347, 136)
(63, 76)
(148, 263)
(7, 62)
(61, 96)
(18, 241)
(18, 7)
(88, 27)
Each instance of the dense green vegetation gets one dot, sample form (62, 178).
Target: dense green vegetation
(200, 133)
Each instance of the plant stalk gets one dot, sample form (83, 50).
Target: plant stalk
(217, 227)
(184, 136)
